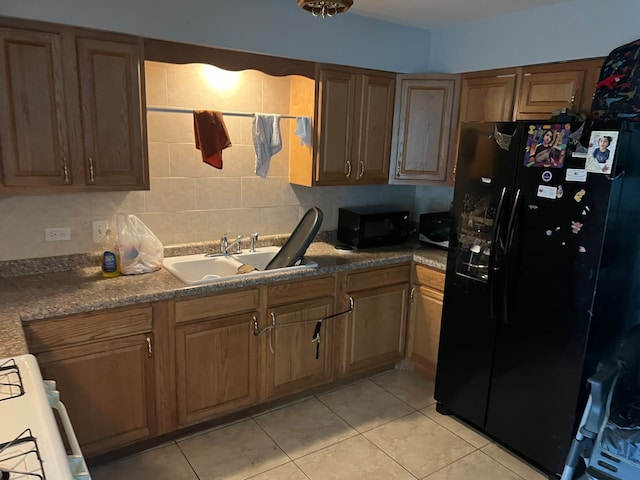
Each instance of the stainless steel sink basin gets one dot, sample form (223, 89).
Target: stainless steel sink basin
(198, 269)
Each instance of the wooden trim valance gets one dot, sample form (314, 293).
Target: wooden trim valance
(173, 52)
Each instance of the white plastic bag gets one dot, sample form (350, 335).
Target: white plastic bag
(140, 250)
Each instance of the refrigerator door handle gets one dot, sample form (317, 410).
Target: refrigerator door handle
(511, 227)
(496, 250)
(496, 244)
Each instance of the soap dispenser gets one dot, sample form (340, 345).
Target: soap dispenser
(110, 258)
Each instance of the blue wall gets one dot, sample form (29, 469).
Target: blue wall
(274, 27)
(570, 30)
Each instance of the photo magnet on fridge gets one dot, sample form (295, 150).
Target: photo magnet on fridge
(547, 145)
(602, 147)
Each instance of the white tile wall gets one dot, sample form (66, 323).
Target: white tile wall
(190, 201)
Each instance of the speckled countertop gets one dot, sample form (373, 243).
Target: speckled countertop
(45, 295)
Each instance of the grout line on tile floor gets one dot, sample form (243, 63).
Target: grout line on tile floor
(376, 426)
(187, 460)
(351, 438)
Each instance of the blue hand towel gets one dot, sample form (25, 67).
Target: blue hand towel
(267, 140)
(303, 130)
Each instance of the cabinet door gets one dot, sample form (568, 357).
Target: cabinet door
(547, 88)
(292, 361)
(424, 329)
(33, 128)
(216, 367)
(376, 328)
(110, 75)
(489, 97)
(425, 112)
(108, 390)
(375, 128)
(337, 104)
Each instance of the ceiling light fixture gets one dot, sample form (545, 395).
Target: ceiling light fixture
(325, 8)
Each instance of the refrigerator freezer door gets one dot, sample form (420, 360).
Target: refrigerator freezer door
(485, 172)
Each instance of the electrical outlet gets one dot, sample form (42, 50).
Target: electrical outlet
(99, 230)
(57, 234)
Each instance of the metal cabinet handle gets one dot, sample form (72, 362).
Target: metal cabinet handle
(92, 176)
(361, 173)
(398, 159)
(348, 166)
(412, 293)
(149, 348)
(271, 333)
(65, 171)
(352, 302)
(256, 327)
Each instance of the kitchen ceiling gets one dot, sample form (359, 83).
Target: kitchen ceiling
(441, 13)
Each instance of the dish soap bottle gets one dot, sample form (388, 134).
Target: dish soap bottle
(110, 260)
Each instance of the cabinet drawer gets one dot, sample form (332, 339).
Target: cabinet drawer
(216, 305)
(302, 290)
(45, 335)
(378, 277)
(429, 277)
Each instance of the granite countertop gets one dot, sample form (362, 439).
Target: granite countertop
(46, 295)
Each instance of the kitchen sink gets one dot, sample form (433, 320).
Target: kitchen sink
(200, 268)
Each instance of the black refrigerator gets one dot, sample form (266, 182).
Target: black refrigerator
(543, 276)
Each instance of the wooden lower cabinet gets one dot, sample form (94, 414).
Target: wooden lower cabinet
(105, 376)
(216, 367)
(216, 355)
(423, 332)
(289, 363)
(133, 373)
(375, 329)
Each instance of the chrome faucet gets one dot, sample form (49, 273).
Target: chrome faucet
(225, 246)
(253, 238)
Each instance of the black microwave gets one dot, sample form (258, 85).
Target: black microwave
(366, 227)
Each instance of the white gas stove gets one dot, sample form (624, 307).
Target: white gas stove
(31, 446)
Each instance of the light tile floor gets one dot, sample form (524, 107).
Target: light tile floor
(385, 427)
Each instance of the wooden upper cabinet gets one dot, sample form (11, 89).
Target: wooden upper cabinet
(487, 97)
(528, 93)
(71, 110)
(110, 91)
(33, 128)
(425, 115)
(375, 129)
(354, 115)
(336, 104)
(547, 88)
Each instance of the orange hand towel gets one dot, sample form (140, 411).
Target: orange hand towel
(211, 136)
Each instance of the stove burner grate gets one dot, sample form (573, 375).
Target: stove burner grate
(10, 381)
(20, 458)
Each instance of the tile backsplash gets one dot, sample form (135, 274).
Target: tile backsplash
(190, 201)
